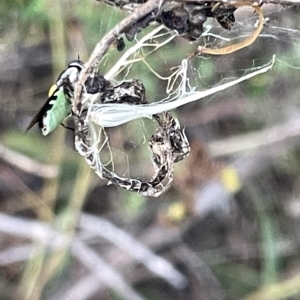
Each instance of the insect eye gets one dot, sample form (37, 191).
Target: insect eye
(52, 90)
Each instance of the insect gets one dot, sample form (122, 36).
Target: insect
(54, 111)
(58, 105)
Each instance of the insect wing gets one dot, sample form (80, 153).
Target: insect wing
(38, 118)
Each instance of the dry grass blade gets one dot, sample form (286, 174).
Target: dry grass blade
(134, 248)
(103, 271)
(27, 164)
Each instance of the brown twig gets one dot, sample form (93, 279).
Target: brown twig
(103, 45)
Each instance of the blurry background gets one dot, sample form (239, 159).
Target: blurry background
(228, 228)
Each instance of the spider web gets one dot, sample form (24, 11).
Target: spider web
(180, 81)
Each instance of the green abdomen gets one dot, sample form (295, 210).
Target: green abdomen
(60, 109)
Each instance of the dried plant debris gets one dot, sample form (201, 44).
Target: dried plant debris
(168, 145)
(185, 18)
(125, 101)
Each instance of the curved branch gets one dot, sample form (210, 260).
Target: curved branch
(105, 43)
(238, 46)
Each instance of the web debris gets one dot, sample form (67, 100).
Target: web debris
(169, 143)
